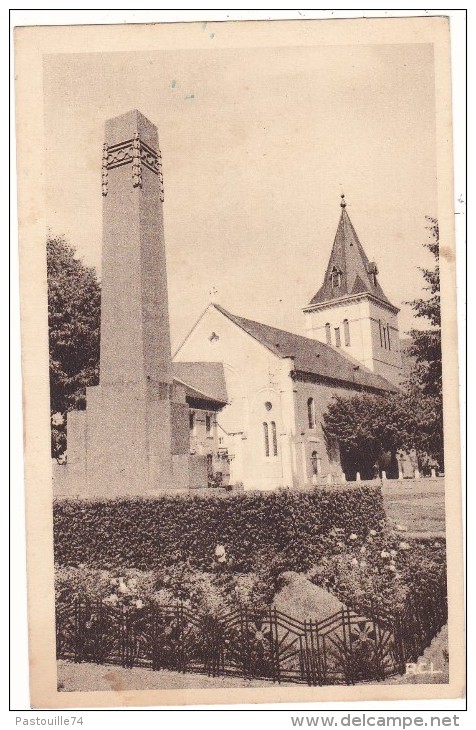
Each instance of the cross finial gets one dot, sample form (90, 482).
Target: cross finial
(213, 294)
(342, 201)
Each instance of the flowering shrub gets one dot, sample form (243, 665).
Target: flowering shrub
(377, 575)
(215, 553)
(125, 587)
(374, 575)
(206, 592)
(154, 533)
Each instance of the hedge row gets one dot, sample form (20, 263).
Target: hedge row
(156, 532)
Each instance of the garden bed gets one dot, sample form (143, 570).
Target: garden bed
(202, 567)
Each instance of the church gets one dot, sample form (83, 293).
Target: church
(240, 403)
(279, 384)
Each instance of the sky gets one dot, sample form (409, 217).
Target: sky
(257, 146)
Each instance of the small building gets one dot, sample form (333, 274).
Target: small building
(205, 394)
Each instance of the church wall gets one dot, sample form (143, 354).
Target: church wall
(366, 320)
(254, 378)
(357, 315)
(289, 420)
(261, 391)
(387, 356)
(312, 439)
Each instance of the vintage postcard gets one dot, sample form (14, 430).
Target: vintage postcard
(239, 362)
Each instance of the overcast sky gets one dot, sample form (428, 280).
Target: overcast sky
(257, 146)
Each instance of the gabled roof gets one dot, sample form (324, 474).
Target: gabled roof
(310, 356)
(202, 380)
(351, 267)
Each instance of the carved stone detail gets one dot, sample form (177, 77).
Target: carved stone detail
(105, 173)
(136, 162)
(137, 152)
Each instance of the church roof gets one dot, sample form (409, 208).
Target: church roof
(202, 380)
(311, 356)
(349, 272)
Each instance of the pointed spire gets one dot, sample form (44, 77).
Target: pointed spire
(349, 271)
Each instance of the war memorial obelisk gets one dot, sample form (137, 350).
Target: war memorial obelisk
(133, 438)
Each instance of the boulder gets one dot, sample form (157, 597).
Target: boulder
(303, 600)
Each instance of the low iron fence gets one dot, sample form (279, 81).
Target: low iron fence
(345, 648)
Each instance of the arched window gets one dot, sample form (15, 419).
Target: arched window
(388, 336)
(336, 277)
(384, 329)
(380, 332)
(275, 438)
(328, 334)
(337, 334)
(346, 333)
(314, 463)
(372, 272)
(266, 438)
(311, 413)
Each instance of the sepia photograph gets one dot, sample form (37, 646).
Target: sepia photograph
(238, 314)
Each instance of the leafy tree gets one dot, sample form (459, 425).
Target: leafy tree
(424, 385)
(425, 347)
(74, 297)
(366, 427)
(370, 429)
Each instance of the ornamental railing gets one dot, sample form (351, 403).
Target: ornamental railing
(345, 648)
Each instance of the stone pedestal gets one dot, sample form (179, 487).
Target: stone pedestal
(132, 441)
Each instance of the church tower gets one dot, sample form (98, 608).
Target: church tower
(351, 312)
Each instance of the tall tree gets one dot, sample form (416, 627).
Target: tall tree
(425, 346)
(370, 428)
(74, 299)
(365, 426)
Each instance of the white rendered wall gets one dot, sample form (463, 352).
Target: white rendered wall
(254, 377)
(357, 313)
(366, 346)
(387, 360)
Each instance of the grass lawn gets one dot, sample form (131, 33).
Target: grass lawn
(417, 505)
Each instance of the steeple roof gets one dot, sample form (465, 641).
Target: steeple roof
(349, 272)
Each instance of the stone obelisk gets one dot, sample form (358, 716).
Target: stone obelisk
(134, 434)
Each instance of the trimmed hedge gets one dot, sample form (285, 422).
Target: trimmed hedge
(150, 533)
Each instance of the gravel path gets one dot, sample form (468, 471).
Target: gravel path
(86, 677)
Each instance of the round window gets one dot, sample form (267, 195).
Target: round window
(268, 405)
